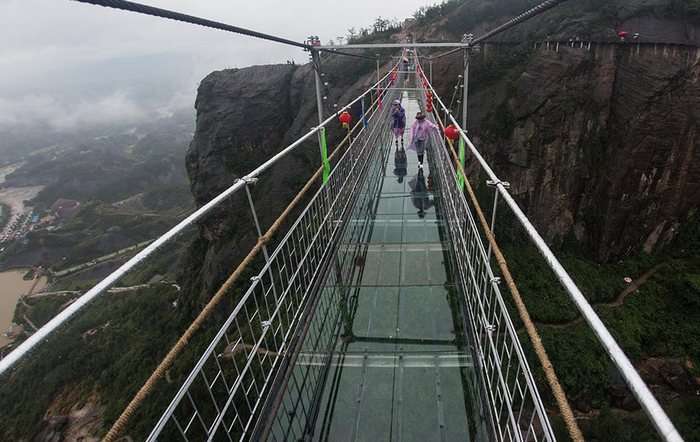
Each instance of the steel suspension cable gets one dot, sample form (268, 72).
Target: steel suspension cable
(185, 18)
(444, 54)
(454, 93)
(532, 12)
(528, 14)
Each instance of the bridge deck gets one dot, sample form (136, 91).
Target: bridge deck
(399, 368)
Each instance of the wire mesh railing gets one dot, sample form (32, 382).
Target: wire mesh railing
(516, 408)
(640, 390)
(513, 401)
(293, 414)
(221, 398)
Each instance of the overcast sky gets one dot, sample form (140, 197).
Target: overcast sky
(67, 64)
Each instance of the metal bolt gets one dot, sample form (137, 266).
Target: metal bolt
(492, 183)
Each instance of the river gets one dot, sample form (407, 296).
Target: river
(12, 287)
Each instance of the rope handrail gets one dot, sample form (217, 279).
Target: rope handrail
(641, 391)
(523, 313)
(138, 399)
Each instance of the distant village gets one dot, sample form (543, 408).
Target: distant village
(20, 224)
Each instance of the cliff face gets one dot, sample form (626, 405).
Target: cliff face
(600, 145)
(244, 117)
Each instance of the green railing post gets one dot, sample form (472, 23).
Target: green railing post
(324, 154)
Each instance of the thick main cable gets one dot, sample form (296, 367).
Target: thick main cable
(532, 12)
(185, 18)
(177, 16)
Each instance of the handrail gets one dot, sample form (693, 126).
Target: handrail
(14, 356)
(651, 406)
(241, 303)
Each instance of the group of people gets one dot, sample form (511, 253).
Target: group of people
(420, 130)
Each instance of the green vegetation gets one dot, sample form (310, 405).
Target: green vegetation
(430, 14)
(658, 320)
(89, 356)
(40, 310)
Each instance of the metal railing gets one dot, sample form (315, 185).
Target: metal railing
(222, 396)
(650, 405)
(515, 408)
(198, 215)
(293, 414)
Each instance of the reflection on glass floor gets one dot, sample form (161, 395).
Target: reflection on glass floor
(385, 358)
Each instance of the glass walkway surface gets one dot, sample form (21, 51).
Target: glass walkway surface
(385, 357)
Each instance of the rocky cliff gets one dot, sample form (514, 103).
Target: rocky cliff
(600, 145)
(245, 116)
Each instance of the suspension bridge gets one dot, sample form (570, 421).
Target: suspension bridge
(381, 313)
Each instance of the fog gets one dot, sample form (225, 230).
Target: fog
(66, 65)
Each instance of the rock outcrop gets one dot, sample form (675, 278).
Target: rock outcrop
(244, 117)
(601, 146)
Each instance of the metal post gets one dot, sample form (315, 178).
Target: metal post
(319, 104)
(466, 89)
(316, 60)
(255, 215)
(493, 220)
(249, 181)
(378, 77)
(430, 64)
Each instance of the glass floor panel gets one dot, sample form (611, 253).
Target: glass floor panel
(398, 368)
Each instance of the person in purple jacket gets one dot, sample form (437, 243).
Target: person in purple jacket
(398, 122)
(420, 131)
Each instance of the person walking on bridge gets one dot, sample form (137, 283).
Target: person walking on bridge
(398, 122)
(420, 131)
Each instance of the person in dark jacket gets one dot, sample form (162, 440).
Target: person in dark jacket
(398, 122)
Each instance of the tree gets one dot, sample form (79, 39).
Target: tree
(380, 24)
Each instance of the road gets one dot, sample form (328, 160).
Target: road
(100, 260)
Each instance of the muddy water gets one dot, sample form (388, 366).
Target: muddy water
(12, 286)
